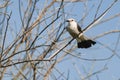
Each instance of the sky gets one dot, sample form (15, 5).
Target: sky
(78, 67)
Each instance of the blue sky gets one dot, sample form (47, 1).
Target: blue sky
(76, 11)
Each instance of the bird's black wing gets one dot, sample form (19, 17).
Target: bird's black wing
(79, 28)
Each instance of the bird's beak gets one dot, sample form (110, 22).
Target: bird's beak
(67, 20)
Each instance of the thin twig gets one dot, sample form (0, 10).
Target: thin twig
(60, 50)
(5, 33)
(105, 68)
(60, 8)
(98, 8)
(24, 61)
(106, 33)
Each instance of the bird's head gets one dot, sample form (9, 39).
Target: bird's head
(70, 20)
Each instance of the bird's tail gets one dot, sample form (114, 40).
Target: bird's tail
(84, 42)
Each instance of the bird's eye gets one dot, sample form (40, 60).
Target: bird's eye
(72, 20)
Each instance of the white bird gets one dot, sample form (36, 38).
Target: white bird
(74, 30)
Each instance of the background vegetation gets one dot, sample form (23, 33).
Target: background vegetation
(34, 43)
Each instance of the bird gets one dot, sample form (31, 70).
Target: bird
(75, 30)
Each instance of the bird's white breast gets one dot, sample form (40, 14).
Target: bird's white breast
(72, 28)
